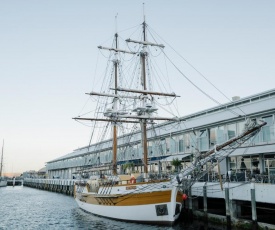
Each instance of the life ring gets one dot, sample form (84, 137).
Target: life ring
(133, 180)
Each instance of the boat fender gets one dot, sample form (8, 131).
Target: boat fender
(133, 180)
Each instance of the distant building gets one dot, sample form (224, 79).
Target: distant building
(170, 140)
(42, 173)
(30, 174)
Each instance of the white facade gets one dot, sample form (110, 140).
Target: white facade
(200, 130)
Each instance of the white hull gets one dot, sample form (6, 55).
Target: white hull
(3, 183)
(138, 213)
(145, 213)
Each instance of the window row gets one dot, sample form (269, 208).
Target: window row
(203, 140)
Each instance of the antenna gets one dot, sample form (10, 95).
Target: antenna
(143, 11)
(116, 23)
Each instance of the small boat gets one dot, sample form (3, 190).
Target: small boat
(137, 197)
(3, 180)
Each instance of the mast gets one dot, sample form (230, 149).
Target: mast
(1, 166)
(145, 114)
(143, 121)
(113, 114)
(115, 109)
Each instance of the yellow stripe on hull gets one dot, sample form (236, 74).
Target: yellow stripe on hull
(130, 199)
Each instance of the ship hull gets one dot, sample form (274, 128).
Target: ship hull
(158, 207)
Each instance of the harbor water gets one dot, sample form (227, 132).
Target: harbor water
(28, 208)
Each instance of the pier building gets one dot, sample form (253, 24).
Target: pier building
(171, 140)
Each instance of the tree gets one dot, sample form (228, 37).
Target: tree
(176, 163)
(128, 165)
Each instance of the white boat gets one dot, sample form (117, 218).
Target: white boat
(138, 197)
(3, 180)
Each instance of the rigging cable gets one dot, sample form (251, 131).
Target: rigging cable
(198, 88)
(196, 71)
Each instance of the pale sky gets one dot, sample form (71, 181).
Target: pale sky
(48, 53)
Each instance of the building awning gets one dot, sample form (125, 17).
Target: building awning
(253, 150)
(179, 156)
(135, 161)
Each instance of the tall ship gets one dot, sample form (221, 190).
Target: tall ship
(128, 101)
(3, 180)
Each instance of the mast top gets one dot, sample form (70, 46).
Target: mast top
(143, 12)
(116, 24)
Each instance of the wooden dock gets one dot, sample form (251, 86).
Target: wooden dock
(53, 185)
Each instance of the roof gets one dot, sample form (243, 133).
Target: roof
(43, 170)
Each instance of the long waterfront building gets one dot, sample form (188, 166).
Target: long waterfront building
(171, 140)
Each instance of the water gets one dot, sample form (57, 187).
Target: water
(28, 208)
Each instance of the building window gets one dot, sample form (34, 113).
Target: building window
(232, 164)
(181, 143)
(270, 164)
(203, 140)
(173, 144)
(240, 127)
(221, 135)
(150, 148)
(231, 130)
(268, 129)
(213, 137)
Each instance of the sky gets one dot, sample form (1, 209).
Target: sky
(48, 54)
